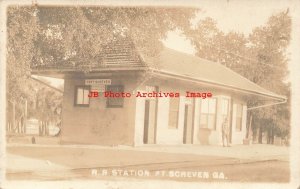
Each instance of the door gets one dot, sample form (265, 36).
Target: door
(185, 124)
(227, 113)
(188, 124)
(146, 121)
(149, 121)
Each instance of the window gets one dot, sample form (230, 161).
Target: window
(239, 115)
(173, 113)
(208, 113)
(81, 95)
(115, 102)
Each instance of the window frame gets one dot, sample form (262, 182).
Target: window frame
(177, 112)
(84, 87)
(207, 115)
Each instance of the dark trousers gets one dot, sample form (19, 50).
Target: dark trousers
(225, 136)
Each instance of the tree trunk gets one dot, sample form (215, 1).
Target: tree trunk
(14, 115)
(260, 135)
(22, 125)
(44, 128)
(47, 128)
(40, 128)
(272, 135)
(254, 135)
(269, 135)
(18, 126)
(25, 116)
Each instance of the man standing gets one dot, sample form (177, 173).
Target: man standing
(225, 132)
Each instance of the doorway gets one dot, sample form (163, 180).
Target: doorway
(149, 122)
(188, 124)
(146, 121)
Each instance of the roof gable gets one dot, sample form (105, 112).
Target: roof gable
(118, 53)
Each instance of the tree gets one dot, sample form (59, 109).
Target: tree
(48, 109)
(212, 44)
(78, 34)
(269, 45)
(19, 56)
(261, 58)
(58, 35)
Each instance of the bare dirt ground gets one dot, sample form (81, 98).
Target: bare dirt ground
(258, 163)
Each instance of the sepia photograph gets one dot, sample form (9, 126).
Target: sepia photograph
(150, 94)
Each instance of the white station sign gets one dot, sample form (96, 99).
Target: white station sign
(98, 81)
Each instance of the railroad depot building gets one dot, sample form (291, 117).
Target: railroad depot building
(138, 121)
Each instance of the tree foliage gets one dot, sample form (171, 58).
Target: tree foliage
(261, 57)
(268, 46)
(21, 32)
(78, 34)
(55, 35)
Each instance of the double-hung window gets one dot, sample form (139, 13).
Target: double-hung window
(173, 113)
(208, 113)
(81, 95)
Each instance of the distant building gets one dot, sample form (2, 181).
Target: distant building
(138, 121)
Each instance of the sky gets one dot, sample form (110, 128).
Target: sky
(239, 16)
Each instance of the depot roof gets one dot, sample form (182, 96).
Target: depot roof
(124, 56)
(178, 64)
